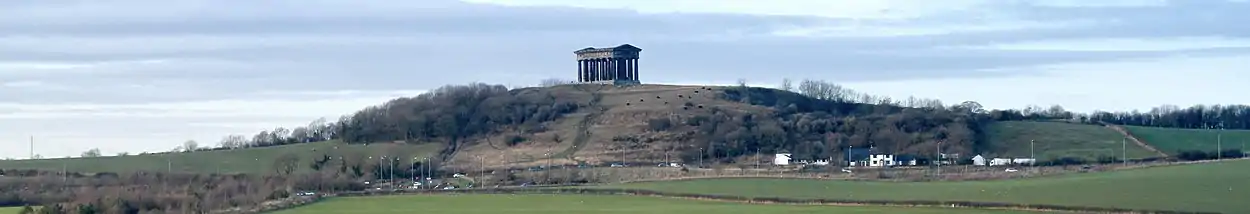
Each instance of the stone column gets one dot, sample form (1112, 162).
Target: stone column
(599, 72)
(594, 73)
(581, 68)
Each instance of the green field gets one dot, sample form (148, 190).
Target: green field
(1172, 140)
(579, 204)
(253, 160)
(1058, 139)
(1212, 187)
(10, 210)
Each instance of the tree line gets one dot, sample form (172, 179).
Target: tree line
(1171, 116)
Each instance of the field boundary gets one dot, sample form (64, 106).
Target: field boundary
(776, 200)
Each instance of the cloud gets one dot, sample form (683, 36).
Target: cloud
(1125, 44)
(145, 74)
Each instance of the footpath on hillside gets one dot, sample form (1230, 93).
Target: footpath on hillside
(1130, 137)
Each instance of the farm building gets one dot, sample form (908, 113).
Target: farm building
(782, 159)
(978, 160)
(1000, 161)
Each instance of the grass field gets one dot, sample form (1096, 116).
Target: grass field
(10, 210)
(1057, 139)
(1212, 187)
(253, 160)
(579, 204)
(1171, 141)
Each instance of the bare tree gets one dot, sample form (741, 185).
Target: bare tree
(286, 164)
(91, 153)
(742, 83)
(786, 85)
(553, 82)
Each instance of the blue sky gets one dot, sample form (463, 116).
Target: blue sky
(145, 75)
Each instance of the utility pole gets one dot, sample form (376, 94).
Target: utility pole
(1219, 140)
(1031, 154)
(32, 147)
(939, 159)
(1124, 150)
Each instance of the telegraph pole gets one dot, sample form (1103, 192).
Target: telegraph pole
(32, 147)
(1124, 150)
(1219, 140)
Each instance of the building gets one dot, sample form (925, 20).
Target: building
(978, 160)
(1000, 161)
(1023, 161)
(905, 160)
(858, 157)
(782, 159)
(881, 160)
(616, 65)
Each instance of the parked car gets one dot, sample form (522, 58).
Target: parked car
(618, 165)
(1011, 170)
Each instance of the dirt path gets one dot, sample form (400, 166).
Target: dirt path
(1130, 136)
(583, 127)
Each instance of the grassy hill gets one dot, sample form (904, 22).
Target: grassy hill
(1211, 187)
(1058, 139)
(1172, 141)
(579, 204)
(251, 160)
(10, 210)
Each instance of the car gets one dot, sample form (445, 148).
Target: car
(1011, 170)
(846, 170)
(618, 165)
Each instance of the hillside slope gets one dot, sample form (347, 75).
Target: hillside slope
(663, 123)
(1173, 141)
(1057, 139)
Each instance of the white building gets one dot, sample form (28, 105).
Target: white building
(1024, 161)
(881, 160)
(782, 159)
(820, 162)
(1000, 162)
(978, 160)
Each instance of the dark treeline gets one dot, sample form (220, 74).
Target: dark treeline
(1196, 117)
(148, 192)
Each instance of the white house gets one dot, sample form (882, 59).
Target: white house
(820, 162)
(1000, 162)
(782, 159)
(881, 160)
(978, 160)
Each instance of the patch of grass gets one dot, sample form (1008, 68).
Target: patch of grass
(1057, 139)
(10, 210)
(1209, 187)
(578, 204)
(251, 160)
(1172, 140)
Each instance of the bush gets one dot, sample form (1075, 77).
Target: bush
(659, 124)
(513, 140)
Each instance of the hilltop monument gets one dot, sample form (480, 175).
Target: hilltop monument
(615, 65)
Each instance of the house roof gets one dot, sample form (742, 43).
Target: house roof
(624, 47)
(860, 154)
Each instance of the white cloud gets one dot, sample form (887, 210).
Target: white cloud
(1101, 3)
(311, 108)
(1124, 44)
(877, 9)
(858, 29)
(1085, 87)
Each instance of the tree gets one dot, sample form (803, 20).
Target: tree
(26, 209)
(286, 164)
(91, 153)
(190, 146)
(786, 85)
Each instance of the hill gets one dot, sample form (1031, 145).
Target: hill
(248, 160)
(1211, 187)
(1173, 141)
(485, 126)
(557, 204)
(1058, 139)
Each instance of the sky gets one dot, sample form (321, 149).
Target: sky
(147, 75)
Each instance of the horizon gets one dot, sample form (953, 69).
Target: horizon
(143, 75)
